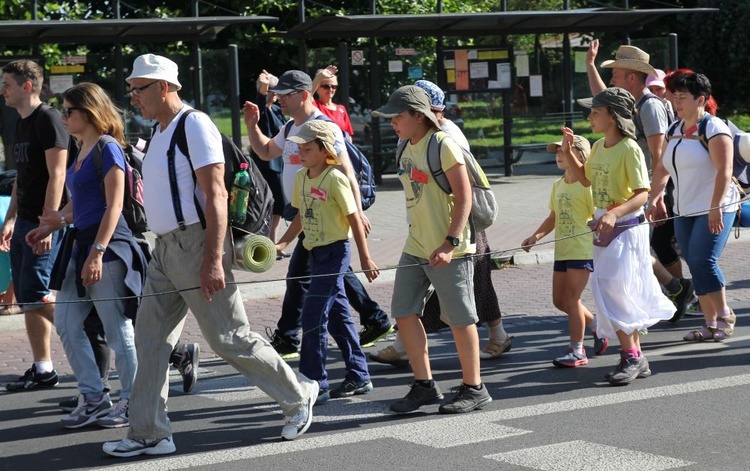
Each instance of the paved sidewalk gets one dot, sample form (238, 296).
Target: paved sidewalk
(524, 290)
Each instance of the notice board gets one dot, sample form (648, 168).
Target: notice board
(483, 69)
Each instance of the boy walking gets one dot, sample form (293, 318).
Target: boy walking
(328, 214)
(434, 254)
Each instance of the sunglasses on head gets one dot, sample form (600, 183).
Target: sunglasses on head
(329, 87)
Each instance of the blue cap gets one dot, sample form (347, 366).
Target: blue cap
(437, 97)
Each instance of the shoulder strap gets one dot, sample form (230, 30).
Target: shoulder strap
(288, 128)
(179, 137)
(97, 159)
(672, 129)
(434, 147)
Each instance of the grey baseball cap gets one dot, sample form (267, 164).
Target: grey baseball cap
(620, 102)
(292, 81)
(409, 97)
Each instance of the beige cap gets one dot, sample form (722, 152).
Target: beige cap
(631, 58)
(318, 129)
(579, 142)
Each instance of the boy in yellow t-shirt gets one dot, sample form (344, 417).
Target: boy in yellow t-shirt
(327, 213)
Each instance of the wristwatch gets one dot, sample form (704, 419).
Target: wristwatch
(453, 240)
(100, 247)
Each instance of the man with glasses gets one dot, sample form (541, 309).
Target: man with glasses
(40, 153)
(192, 255)
(294, 91)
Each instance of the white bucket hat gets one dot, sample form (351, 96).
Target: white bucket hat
(151, 66)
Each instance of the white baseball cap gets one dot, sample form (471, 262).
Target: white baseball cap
(151, 66)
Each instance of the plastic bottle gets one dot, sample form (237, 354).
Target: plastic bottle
(239, 196)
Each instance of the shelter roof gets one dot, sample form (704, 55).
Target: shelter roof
(483, 24)
(121, 30)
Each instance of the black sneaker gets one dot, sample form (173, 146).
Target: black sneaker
(286, 350)
(370, 334)
(351, 388)
(466, 399)
(681, 299)
(188, 366)
(32, 380)
(628, 370)
(418, 396)
(69, 405)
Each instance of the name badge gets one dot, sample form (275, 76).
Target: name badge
(318, 194)
(294, 159)
(418, 176)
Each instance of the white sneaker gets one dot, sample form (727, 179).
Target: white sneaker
(298, 424)
(128, 447)
(117, 418)
(87, 412)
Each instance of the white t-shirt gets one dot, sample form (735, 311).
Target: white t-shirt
(694, 173)
(450, 128)
(204, 144)
(290, 153)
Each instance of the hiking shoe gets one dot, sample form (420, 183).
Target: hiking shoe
(286, 350)
(32, 380)
(188, 366)
(69, 405)
(417, 397)
(495, 348)
(390, 356)
(118, 417)
(324, 395)
(351, 388)
(369, 335)
(681, 299)
(128, 447)
(466, 399)
(571, 359)
(87, 412)
(600, 344)
(298, 424)
(629, 369)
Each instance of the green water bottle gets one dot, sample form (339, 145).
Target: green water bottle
(239, 196)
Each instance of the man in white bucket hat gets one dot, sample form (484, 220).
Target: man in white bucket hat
(630, 69)
(196, 252)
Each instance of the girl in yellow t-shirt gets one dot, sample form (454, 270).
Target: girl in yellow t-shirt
(571, 207)
(327, 213)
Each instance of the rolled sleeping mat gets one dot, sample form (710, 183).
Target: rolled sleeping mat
(254, 253)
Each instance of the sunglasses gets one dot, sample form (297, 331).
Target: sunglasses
(329, 87)
(136, 91)
(66, 111)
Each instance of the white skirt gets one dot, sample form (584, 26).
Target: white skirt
(626, 292)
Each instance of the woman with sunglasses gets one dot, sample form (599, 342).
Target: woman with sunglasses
(99, 264)
(326, 84)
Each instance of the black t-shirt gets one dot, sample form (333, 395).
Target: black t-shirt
(39, 132)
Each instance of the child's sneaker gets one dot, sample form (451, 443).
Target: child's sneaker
(351, 388)
(117, 418)
(571, 359)
(87, 412)
(600, 344)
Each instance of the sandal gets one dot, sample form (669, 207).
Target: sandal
(725, 326)
(704, 333)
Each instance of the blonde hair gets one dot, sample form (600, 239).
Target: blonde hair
(100, 111)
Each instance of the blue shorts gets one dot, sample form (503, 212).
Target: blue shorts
(563, 265)
(31, 272)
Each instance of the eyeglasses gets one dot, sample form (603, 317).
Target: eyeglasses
(66, 111)
(330, 87)
(136, 91)
(287, 95)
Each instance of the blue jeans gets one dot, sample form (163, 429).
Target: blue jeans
(118, 329)
(31, 272)
(702, 249)
(326, 309)
(370, 313)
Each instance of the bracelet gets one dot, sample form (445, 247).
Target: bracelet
(63, 221)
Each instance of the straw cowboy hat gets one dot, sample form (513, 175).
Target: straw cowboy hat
(631, 58)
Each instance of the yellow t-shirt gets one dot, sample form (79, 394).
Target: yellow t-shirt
(323, 202)
(573, 207)
(428, 207)
(616, 172)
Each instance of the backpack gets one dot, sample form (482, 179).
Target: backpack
(362, 167)
(637, 119)
(260, 203)
(484, 207)
(132, 202)
(740, 141)
(7, 179)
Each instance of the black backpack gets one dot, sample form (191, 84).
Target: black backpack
(260, 204)
(132, 203)
(362, 167)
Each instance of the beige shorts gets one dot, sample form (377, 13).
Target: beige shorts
(453, 284)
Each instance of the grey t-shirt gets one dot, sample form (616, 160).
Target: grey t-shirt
(652, 118)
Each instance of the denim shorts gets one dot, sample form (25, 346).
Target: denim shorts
(563, 265)
(31, 272)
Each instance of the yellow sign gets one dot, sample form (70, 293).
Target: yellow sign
(67, 69)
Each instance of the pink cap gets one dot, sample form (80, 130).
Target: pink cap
(656, 80)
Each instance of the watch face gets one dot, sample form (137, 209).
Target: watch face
(452, 240)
